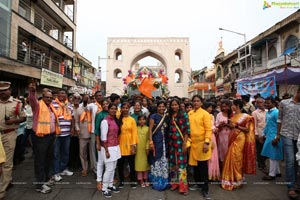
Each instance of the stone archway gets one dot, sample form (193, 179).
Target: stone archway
(173, 53)
(151, 53)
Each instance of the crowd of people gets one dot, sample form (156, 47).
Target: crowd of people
(167, 143)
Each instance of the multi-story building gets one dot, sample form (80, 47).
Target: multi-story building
(203, 83)
(37, 42)
(84, 74)
(273, 52)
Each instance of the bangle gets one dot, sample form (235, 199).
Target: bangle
(151, 142)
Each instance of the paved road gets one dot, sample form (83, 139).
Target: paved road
(84, 188)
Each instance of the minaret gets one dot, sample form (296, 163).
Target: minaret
(220, 49)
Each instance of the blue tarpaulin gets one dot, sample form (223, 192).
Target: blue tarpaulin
(288, 51)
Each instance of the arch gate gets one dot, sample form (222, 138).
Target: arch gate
(124, 53)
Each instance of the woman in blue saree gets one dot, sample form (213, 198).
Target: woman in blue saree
(158, 129)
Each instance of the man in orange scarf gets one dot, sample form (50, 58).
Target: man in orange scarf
(45, 127)
(83, 127)
(64, 111)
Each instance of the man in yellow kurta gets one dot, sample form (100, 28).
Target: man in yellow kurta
(200, 152)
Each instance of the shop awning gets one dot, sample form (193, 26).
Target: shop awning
(290, 76)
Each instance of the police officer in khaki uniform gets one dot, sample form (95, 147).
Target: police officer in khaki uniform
(11, 115)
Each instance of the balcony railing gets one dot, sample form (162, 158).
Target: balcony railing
(65, 8)
(277, 62)
(40, 60)
(42, 23)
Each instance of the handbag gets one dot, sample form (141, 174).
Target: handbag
(189, 140)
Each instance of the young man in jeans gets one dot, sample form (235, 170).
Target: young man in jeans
(65, 114)
(288, 130)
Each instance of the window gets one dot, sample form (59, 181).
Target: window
(178, 76)
(272, 53)
(178, 54)
(226, 70)
(117, 73)
(291, 42)
(118, 54)
(219, 73)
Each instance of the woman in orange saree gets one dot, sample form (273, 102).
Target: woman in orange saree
(241, 156)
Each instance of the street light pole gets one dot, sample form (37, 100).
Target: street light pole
(100, 69)
(242, 34)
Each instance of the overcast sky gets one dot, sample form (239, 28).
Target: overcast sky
(197, 19)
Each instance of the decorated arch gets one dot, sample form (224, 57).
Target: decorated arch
(172, 53)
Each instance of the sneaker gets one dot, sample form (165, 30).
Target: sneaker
(206, 195)
(268, 178)
(194, 187)
(113, 189)
(44, 189)
(106, 194)
(51, 182)
(57, 178)
(133, 186)
(121, 185)
(66, 172)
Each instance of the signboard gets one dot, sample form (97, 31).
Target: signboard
(51, 78)
(265, 86)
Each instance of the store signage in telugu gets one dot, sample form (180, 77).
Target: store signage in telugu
(51, 78)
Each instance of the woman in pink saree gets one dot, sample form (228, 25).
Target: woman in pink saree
(222, 132)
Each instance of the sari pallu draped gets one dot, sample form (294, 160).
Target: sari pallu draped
(159, 166)
(241, 156)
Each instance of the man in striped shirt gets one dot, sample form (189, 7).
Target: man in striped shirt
(62, 143)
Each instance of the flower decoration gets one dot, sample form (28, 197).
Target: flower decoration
(140, 75)
(156, 84)
(133, 85)
(161, 71)
(150, 75)
(129, 72)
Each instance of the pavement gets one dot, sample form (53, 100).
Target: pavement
(84, 188)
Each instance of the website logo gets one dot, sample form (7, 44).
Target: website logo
(266, 5)
(282, 4)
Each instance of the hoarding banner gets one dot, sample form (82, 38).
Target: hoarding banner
(51, 78)
(265, 86)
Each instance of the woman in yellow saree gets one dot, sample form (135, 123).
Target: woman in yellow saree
(241, 156)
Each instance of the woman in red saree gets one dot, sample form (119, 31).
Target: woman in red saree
(241, 156)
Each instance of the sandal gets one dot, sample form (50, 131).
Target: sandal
(292, 195)
(174, 187)
(99, 186)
